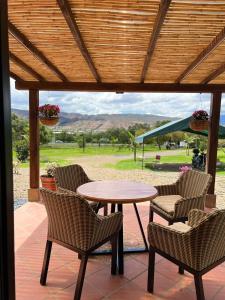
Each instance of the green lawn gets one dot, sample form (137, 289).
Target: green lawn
(65, 153)
(130, 164)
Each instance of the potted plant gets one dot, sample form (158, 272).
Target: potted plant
(199, 121)
(49, 114)
(48, 179)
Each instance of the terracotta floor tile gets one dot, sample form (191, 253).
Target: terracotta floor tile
(30, 235)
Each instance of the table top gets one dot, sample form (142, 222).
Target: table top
(116, 191)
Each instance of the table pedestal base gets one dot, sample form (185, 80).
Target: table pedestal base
(121, 251)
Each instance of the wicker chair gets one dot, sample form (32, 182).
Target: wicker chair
(70, 178)
(176, 200)
(197, 246)
(74, 225)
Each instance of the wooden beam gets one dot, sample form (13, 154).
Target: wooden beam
(34, 139)
(71, 22)
(7, 265)
(25, 67)
(15, 76)
(214, 74)
(213, 137)
(203, 55)
(120, 87)
(20, 37)
(163, 8)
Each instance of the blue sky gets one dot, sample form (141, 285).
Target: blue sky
(173, 104)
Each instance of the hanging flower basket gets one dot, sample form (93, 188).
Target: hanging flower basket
(49, 121)
(199, 121)
(49, 114)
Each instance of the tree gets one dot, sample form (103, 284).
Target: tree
(133, 144)
(45, 135)
(20, 128)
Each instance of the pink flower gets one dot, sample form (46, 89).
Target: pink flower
(49, 110)
(184, 169)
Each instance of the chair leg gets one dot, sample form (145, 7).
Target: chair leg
(113, 208)
(199, 287)
(106, 210)
(80, 279)
(114, 255)
(45, 265)
(151, 215)
(151, 271)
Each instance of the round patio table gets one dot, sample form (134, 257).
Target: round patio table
(119, 193)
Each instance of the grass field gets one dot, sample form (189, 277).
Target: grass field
(130, 164)
(65, 154)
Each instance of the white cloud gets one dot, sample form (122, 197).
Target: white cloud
(167, 104)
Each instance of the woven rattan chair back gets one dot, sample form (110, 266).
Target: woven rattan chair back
(193, 183)
(70, 219)
(70, 177)
(208, 240)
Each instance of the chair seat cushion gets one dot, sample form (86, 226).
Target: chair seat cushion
(166, 203)
(181, 227)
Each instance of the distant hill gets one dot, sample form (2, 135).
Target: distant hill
(101, 122)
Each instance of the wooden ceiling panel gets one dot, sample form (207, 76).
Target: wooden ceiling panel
(24, 75)
(116, 34)
(187, 30)
(43, 24)
(21, 52)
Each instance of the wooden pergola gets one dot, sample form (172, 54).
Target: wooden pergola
(117, 46)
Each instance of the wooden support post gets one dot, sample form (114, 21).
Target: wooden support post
(213, 137)
(7, 269)
(33, 192)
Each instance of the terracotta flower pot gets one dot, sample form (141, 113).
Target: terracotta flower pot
(49, 121)
(48, 182)
(199, 125)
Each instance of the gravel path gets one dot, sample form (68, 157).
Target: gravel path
(93, 165)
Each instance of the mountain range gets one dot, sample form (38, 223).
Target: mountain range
(102, 122)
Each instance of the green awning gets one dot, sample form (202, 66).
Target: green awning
(178, 125)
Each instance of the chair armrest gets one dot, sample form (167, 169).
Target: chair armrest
(170, 241)
(107, 226)
(163, 236)
(195, 217)
(65, 191)
(168, 189)
(184, 205)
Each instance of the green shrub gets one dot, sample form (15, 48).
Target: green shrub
(22, 150)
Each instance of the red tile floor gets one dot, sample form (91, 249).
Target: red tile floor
(30, 238)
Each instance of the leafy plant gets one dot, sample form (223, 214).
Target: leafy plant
(50, 169)
(22, 150)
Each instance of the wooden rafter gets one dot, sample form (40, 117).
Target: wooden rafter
(71, 22)
(120, 87)
(25, 67)
(15, 76)
(214, 74)
(35, 51)
(163, 8)
(203, 55)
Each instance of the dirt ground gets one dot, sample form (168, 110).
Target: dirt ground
(93, 165)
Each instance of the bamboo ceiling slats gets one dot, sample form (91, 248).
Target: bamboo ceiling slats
(185, 33)
(31, 60)
(116, 41)
(24, 75)
(44, 25)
